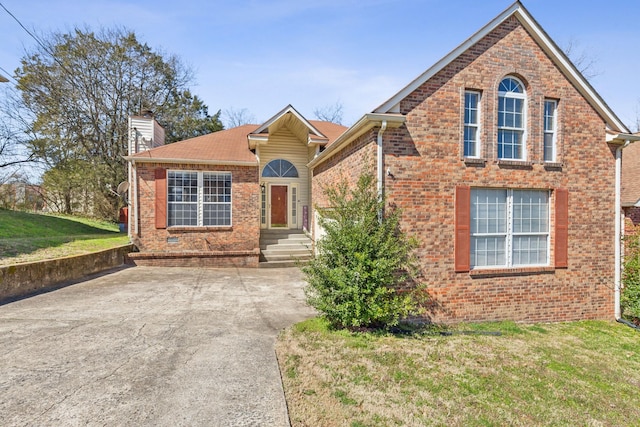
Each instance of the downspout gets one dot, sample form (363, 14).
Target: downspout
(618, 232)
(134, 200)
(380, 165)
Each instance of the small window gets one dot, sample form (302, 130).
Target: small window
(550, 130)
(471, 124)
(280, 168)
(511, 120)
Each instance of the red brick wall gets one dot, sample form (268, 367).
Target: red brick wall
(425, 159)
(348, 163)
(241, 238)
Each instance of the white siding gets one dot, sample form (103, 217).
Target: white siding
(148, 134)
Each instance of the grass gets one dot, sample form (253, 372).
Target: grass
(26, 237)
(581, 373)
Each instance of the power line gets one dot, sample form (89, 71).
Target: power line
(23, 27)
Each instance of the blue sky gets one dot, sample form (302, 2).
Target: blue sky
(263, 55)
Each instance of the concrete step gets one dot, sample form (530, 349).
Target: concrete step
(281, 264)
(284, 248)
(287, 246)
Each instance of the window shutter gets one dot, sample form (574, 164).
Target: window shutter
(562, 228)
(161, 198)
(462, 244)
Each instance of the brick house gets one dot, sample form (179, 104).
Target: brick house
(212, 200)
(631, 185)
(503, 158)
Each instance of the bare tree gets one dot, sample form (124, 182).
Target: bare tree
(583, 60)
(233, 118)
(13, 134)
(330, 113)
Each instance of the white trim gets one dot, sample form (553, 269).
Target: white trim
(200, 198)
(551, 49)
(554, 132)
(523, 128)
(509, 234)
(288, 109)
(366, 123)
(294, 208)
(190, 161)
(477, 125)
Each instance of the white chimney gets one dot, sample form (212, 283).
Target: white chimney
(145, 133)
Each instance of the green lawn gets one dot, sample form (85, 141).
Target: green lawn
(579, 374)
(28, 237)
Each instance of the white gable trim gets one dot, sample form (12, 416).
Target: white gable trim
(543, 39)
(288, 109)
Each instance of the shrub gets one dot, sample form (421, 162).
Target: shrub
(630, 297)
(364, 260)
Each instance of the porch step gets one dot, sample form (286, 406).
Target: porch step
(284, 248)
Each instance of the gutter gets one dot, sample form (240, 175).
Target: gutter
(190, 161)
(380, 165)
(366, 123)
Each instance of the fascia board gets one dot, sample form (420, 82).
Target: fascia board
(189, 161)
(367, 122)
(547, 44)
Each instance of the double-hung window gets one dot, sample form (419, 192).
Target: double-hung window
(509, 228)
(550, 134)
(199, 198)
(511, 120)
(471, 124)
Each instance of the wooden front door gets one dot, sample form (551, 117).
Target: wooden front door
(279, 205)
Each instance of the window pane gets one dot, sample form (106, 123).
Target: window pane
(182, 197)
(217, 199)
(280, 168)
(216, 214)
(470, 135)
(183, 214)
(488, 211)
(548, 147)
(529, 250)
(488, 251)
(509, 144)
(530, 211)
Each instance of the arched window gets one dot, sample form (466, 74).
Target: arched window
(511, 119)
(280, 168)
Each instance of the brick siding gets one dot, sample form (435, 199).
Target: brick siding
(425, 159)
(236, 245)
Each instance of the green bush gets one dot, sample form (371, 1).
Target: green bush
(362, 275)
(630, 297)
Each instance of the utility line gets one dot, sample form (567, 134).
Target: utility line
(23, 27)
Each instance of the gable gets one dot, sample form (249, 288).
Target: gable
(543, 41)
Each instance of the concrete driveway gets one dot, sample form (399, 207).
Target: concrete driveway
(150, 346)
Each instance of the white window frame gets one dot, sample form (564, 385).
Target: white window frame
(200, 203)
(294, 205)
(508, 233)
(551, 132)
(471, 125)
(522, 130)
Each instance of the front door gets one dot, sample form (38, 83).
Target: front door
(279, 206)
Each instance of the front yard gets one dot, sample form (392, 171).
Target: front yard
(582, 373)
